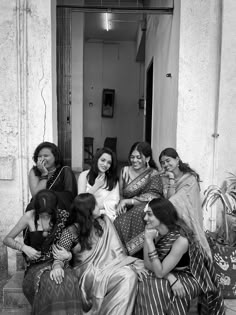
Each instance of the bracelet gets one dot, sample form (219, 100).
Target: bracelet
(43, 177)
(171, 178)
(173, 283)
(153, 257)
(153, 252)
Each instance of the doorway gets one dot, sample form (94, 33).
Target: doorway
(149, 90)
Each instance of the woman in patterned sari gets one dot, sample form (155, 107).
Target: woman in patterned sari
(50, 173)
(181, 187)
(180, 270)
(139, 183)
(45, 224)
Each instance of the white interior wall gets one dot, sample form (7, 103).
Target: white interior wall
(162, 46)
(112, 66)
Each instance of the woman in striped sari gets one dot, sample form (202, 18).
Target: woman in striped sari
(180, 269)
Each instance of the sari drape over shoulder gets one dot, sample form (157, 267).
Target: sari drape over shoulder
(63, 183)
(198, 278)
(188, 204)
(106, 280)
(107, 200)
(45, 296)
(130, 225)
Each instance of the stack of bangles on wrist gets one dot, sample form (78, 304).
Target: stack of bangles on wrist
(43, 177)
(153, 255)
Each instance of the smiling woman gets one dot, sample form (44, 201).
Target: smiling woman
(50, 173)
(180, 270)
(181, 187)
(101, 181)
(139, 183)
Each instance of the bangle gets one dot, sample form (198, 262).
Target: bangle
(43, 177)
(153, 257)
(153, 252)
(171, 178)
(173, 283)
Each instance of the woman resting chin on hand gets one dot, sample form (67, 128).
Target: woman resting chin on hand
(180, 270)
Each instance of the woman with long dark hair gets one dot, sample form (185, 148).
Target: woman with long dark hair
(181, 187)
(180, 270)
(44, 224)
(139, 183)
(107, 281)
(101, 181)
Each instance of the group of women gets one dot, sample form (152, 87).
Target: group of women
(128, 245)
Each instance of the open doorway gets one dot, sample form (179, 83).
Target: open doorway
(108, 61)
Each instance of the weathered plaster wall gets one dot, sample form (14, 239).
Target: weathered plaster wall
(9, 192)
(207, 78)
(25, 100)
(198, 69)
(162, 45)
(226, 147)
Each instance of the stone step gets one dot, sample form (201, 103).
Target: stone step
(230, 307)
(15, 311)
(13, 296)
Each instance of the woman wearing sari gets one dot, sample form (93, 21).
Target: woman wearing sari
(101, 181)
(50, 173)
(45, 224)
(107, 282)
(139, 183)
(180, 270)
(181, 187)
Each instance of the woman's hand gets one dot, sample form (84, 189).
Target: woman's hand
(121, 208)
(167, 174)
(41, 166)
(30, 252)
(99, 181)
(142, 273)
(57, 275)
(178, 289)
(60, 253)
(150, 234)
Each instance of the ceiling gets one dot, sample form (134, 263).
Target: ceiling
(122, 26)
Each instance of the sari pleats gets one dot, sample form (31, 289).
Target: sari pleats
(57, 299)
(130, 225)
(155, 296)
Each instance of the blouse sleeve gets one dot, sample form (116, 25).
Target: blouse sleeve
(66, 240)
(70, 181)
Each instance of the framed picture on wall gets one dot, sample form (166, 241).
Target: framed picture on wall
(108, 98)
